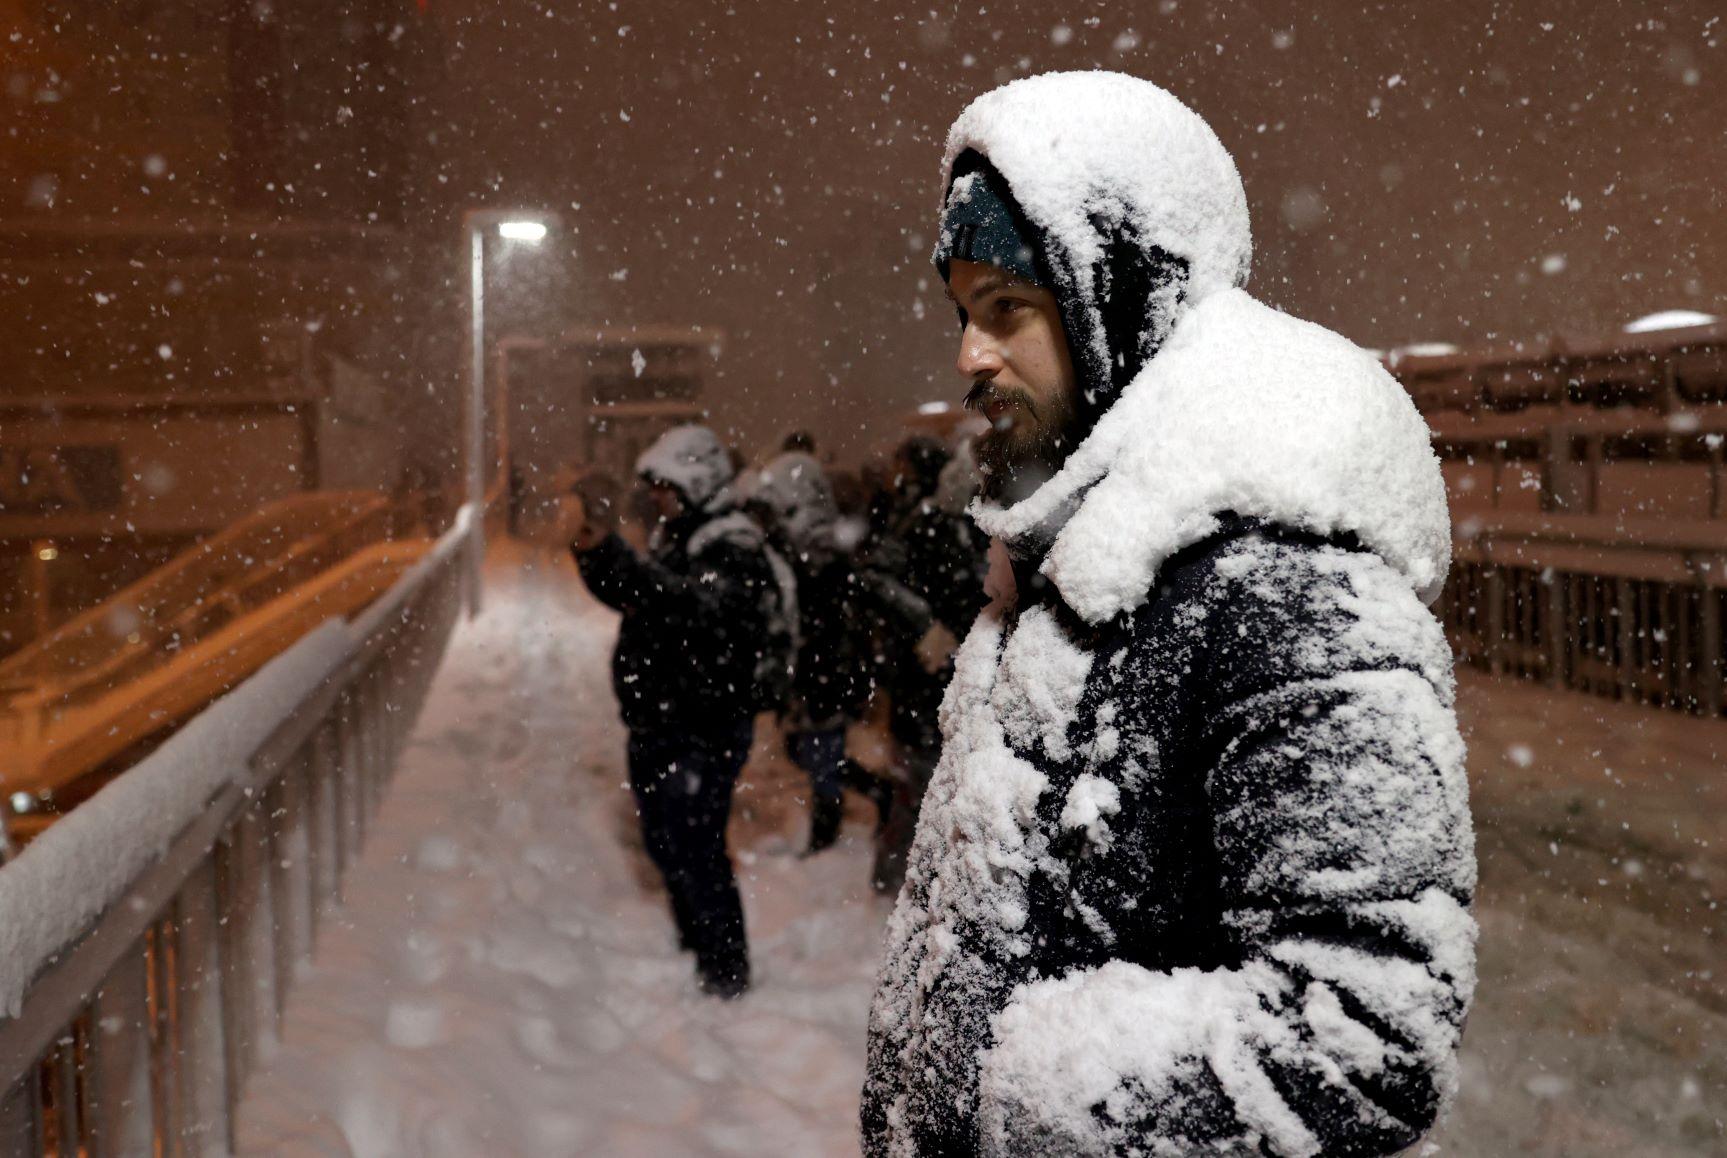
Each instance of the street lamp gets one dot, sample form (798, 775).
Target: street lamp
(528, 227)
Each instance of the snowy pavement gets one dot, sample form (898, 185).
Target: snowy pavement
(502, 979)
(1600, 1024)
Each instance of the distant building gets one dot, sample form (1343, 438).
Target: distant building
(594, 399)
(208, 223)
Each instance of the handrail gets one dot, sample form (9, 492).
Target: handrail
(1635, 613)
(85, 656)
(69, 743)
(147, 940)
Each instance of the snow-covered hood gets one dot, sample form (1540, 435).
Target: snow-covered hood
(1244, 409)
(690, 458)
(795, 489)
(1116, 177)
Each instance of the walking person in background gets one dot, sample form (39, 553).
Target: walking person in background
(831, 679)
(697, 612)
(1193, 875)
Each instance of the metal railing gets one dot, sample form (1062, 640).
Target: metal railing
(134, 1031)
(206, 587)
(1586, 604)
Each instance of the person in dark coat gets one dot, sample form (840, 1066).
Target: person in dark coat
(1194, 873)
(926, 569)
(831, 679)
(696, 610)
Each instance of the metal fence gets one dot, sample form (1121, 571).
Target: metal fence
(1612, 616)
(139, 1037)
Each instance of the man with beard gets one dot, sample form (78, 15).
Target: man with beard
(1193, 875)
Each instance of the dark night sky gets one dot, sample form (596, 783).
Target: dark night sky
(1466, 172)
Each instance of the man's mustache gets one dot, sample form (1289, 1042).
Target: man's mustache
(984, 391)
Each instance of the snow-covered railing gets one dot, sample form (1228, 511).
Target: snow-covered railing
(1632, 612)
(147, 940)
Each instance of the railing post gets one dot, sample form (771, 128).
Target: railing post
(1495, 626)
(1557, 585)
(397, 693)
(326, 846)
(205, 1124)
(1709, 648)
(382, 699)
(377, 721)
(263, 924)
(291, 878)
(366, 744)
(68, 1081)
(122, 1118)
(1622, 604)
(162, 943)
(21, 1116)
(248, 956)
(381, 723)
(349, 752)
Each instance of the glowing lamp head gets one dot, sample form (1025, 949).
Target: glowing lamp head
(532, 232)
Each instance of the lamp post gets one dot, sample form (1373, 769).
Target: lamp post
(518, 227)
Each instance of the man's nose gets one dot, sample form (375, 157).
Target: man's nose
(978, 357)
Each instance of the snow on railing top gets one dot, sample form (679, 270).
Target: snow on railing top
(73, 872)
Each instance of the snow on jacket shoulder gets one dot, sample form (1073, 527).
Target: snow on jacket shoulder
(1195, 881)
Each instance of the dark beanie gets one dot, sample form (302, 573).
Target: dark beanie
(981, 223)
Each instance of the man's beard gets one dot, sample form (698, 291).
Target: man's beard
(1026, 449)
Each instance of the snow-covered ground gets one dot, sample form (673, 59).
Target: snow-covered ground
(1600, 1025)
(503, 980)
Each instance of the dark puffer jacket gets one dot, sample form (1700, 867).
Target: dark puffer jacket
(1217, 883)
(694, 623)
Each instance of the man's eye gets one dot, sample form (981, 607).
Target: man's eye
(1008, 305)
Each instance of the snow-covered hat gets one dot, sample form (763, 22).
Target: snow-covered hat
(690, 458)
(795, 490)
(1138, 206)
(981, 223)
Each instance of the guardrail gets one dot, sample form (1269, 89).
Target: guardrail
(147, 941)
(205, 588)
(1587, 603)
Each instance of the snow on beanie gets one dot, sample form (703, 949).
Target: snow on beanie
(981, 223)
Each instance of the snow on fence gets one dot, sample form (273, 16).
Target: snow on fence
(147, 940)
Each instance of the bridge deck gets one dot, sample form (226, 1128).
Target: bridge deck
(503, 981)
(503, 978)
